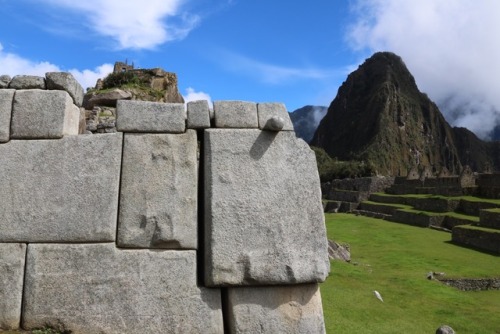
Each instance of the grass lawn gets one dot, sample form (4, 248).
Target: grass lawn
(394, 259)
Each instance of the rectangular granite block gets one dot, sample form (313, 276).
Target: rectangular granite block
(97, 288)
(263, 211)
(280, 309)
(154, 117)
(43, 114)
(12, 258)
(159, 191)
(62, 190)
(6, 99)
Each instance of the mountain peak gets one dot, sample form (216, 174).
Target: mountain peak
(381, 117)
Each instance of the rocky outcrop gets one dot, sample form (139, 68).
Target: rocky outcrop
(339, 252)
(153, 85)
(106, 99)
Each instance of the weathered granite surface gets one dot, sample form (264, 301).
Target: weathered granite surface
(62, 190)
(235, 114)
(67, 82)
(198, 114)
(144, 116)
(43, 114)
(27, 82)
(107, 98)
(12, 258)
(268, 111)
(159, 190)
(281, 309)
(263, 211)
(6, 98)
(96, 288)
(5, 81)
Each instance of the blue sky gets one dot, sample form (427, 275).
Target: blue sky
(296, 52)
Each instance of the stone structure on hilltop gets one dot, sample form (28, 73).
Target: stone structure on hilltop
(167, 225)
(155, 85)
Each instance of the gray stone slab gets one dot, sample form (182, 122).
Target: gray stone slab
(96, 288)
(60, 190)
(264, 218)
(235, 114)
(5, 81)
(67, 82)
(198, 115)
(269, 111)
(43, 114)
(143, 116)
(6, 99)
(27, 82)
(280, 309)
(12, 258)
(159, 191)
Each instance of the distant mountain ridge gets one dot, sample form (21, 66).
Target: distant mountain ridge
(381, 117)
(306, 119)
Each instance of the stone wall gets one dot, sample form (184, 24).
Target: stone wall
(472, 284)
(167, 226)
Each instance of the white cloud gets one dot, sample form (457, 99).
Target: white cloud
(449, 46)
(270, 73)
(192, 95)
(13, 64)
(88, 78)
(134, 24)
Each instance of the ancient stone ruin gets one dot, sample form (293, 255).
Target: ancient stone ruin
(176, 223)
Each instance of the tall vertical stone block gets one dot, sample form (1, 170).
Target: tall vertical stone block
(6, 99)
(96, 288)
(43, 114)
(11, 284)
(159, 190)
(60, 190)
(264, 218)
(280, 309)
(198, 114)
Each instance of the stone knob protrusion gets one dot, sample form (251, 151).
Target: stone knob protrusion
(275, 123)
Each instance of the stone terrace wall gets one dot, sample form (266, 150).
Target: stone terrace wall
(167, 226)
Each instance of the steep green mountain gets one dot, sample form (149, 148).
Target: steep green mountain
(379, 116)
(306, 119)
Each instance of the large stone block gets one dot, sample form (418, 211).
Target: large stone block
(11, 284)
(67, 82)
(235, 114)
(269, 113)
(6, 98)
(159, 190)
(43, 114)
(96, 288)
(143, 116)
(264, 218)
(280, 309)
(60, 190)
(198, 114)
(27, 82)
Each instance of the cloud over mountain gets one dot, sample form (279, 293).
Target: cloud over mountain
(450, 47)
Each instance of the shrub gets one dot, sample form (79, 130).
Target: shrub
(120, 79)
(330, 168)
